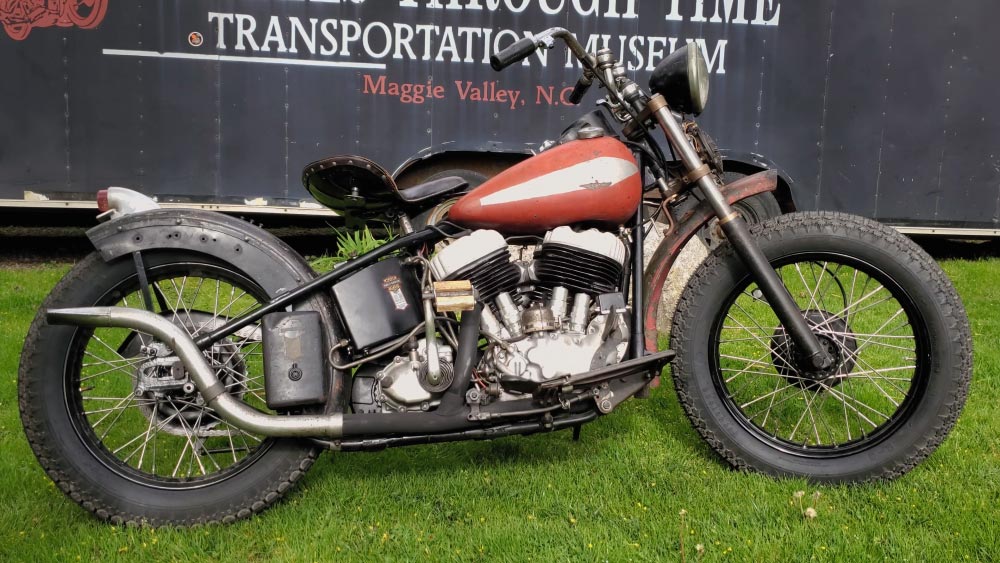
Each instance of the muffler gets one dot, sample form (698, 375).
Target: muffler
(230, 409)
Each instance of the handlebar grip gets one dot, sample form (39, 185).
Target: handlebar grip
(579, 91)
(513, 53)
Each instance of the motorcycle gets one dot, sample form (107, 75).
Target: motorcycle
(192, 368)
(19, 17)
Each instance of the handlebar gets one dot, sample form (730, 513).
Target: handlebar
(523, 48)
(580, 90)
(513, 53)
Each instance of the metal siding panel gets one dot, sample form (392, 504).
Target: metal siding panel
(857, 49)
(152, 123)
(970, 164)
(913, 121)
(32, 139)
(790, 98)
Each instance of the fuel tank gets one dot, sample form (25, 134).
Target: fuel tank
(582, 181)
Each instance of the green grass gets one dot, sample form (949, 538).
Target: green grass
(613, 496)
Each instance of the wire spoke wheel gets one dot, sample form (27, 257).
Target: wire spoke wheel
(880, 307)
(860, 318)
(114, 418)
(133, 399)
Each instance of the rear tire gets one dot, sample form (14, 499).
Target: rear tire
(917, 405)
(64, 435)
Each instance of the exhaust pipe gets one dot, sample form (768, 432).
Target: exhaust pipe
(232, 410)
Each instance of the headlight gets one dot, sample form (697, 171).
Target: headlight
(682, 79)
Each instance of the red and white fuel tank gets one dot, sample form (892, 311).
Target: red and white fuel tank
(582, 181)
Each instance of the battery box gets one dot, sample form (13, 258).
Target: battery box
(294, 373)
(379, 303)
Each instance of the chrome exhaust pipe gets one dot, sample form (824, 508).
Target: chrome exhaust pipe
(230, 409)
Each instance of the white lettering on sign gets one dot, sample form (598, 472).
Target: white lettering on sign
(368, 42)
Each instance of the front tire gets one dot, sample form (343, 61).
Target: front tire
(902, 345)
(139, 457)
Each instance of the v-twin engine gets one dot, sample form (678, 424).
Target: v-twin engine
(557, 313)
(551, 309)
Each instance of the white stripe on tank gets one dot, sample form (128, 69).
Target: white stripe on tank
(606, 170)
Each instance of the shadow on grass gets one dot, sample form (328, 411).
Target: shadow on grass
(659, 421)
(948, 249)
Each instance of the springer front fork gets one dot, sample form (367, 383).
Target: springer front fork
(735, 229)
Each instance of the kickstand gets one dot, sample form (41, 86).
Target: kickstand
(576, 432)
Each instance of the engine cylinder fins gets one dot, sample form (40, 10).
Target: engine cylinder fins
(576, 269)
(491, 275)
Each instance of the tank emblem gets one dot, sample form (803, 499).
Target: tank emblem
(395, 288)
(593, 174)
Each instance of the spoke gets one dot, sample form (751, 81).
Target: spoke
(114, 421)
(180, 305)
(190, 444)
(877, 331)
(121, 401)
(123, 368)
(766, 345)
(846, 311)
(152, 422)
(795, 429)
(113, 409)
(757, 362)
(762, 397)
(805, 284)
(102, 361)
(105, 344)
(145, 434)
(764, 373)
(867, 369)
(770, 404)
(731, 340)
(232, 447)
(843, 398)
(784, 400)
(834, 280)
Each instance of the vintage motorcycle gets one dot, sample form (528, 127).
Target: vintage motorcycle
(19, 17)
(192, 368)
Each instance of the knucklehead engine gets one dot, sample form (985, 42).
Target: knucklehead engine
(551, 309)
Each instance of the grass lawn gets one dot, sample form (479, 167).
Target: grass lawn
(616, 495)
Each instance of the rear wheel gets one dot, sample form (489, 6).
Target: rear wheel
(122, 430)
(880, 306)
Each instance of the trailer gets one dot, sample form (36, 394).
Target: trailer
(882, 108)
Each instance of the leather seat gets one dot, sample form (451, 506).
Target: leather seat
(434, 188)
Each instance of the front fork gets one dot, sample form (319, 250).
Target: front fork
(735, 229)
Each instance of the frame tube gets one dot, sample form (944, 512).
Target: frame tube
(735, 229)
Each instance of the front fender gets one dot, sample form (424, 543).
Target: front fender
(687, 227)
(264, 258)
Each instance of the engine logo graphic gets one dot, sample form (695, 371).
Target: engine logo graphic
(19, 17)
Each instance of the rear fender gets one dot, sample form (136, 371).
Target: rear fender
(688, 226)
(261, 256)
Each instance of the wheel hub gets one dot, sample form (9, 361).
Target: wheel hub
(170, 398)
(836, 338)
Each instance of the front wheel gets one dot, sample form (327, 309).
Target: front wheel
(881, 307)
